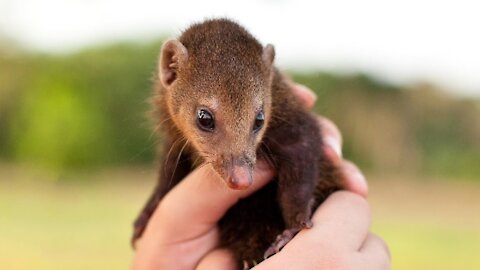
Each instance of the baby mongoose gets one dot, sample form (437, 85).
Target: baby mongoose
(220, 101)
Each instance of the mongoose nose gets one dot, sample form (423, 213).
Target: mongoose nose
(239, 177)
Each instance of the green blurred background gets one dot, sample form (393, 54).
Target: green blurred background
(77, 157)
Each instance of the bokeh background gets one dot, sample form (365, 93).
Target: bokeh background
(77, 151)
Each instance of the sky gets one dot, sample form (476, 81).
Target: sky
(397, 41)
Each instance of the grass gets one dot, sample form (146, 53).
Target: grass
(49, 225)
(428, 224)
(417, 245)
(84, 222)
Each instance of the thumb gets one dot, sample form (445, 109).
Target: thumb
(200, 200)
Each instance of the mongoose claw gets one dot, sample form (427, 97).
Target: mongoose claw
(280, 242)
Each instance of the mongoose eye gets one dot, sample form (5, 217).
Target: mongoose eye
(258, 121)
(205, 120)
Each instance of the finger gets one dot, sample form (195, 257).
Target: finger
(332, 139)
(199, 201)
(353, 179)
(218, 259)
(342, 220)
(305, 95)
(374, 254)
(329, 129)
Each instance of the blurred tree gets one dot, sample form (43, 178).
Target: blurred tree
(82, 110)
(90, 109)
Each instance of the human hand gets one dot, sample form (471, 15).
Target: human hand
(340, 237)
(185, 222)
(183, 228)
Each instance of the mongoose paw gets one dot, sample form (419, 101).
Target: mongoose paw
(280, 242)
(307, 224)
(247, 265)
(285, 237)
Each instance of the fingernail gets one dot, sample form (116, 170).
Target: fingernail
(359, 177)
(307, 91)
(361, 186)
(333, 143)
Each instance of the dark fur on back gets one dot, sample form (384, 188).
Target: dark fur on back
(292, 143)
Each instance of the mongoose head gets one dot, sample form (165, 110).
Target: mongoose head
(217, 80)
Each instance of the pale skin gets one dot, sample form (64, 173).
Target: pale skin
(183, 233)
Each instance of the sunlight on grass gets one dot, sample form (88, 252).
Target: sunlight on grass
(430, 246)
(87, 224)
(69, 226)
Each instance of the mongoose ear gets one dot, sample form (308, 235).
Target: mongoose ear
(268, 55)
(172, 57)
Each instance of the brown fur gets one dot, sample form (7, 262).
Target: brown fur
(221, 62)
